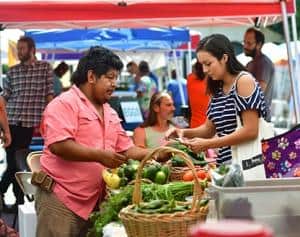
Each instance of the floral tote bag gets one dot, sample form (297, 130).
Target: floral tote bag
(281, 154)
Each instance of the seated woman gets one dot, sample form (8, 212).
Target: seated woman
(151, 133)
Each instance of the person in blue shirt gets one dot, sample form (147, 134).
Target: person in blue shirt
(174, 90)
(133, 70)
(154, 78)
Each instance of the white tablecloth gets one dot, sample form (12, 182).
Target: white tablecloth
(114, 229)
(27, 220)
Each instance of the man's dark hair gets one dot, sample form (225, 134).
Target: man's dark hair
(173, 74)
(98, 59)
(259, 36)
(61, 69)
(130, 64)
(144, 68)
(29, 41)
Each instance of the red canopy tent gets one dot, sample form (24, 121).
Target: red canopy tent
(24, 14)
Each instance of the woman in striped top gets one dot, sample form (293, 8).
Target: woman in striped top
(233, 92)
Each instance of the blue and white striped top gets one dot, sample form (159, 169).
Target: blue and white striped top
(223, 108)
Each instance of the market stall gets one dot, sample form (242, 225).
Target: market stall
(135, 14)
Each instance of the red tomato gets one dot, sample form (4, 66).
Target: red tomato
(188, 176)
(201, 174)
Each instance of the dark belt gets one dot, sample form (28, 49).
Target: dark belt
(43, 180)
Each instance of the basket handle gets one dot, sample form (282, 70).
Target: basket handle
(137, 193)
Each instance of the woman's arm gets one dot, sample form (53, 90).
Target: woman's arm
(248, 131)
(206, 130)
(139, 137)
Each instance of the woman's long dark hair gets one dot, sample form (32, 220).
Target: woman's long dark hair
(156, 99)
(218, 45)
(198, 70)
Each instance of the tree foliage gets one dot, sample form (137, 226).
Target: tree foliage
(279, 26)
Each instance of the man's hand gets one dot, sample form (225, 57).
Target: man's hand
(164, 156)
(113, 159)
(5, 138)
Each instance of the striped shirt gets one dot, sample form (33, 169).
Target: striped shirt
(25, 91)
(223, 109)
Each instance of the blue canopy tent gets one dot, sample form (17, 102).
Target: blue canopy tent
(79, 40)
(51, 43)
(64, 44)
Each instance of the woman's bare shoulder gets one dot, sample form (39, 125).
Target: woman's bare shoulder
(245, 85)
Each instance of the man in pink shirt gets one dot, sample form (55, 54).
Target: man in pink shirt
(82, 135)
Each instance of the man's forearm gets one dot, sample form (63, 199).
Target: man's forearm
(136, 153)
(70, 150)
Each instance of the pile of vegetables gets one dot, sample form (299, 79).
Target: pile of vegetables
(156, 172)
(164, 195)
(127, 171)
(165, 206)
(198, 159)
(123, 175)
(201, 174)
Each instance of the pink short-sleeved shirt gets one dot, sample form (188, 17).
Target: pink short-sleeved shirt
(71, 116)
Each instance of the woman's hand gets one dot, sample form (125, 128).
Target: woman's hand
(197, 144)
(174, 133)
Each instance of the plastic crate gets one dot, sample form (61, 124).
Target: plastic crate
(274, 202)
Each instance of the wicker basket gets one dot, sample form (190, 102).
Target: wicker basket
(162, 225)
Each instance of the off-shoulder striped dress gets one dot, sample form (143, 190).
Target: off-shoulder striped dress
(223, 108)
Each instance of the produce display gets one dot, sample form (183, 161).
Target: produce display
(126, 173)
(162, 196)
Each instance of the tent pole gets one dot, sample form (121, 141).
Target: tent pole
(297, 69)
(290, 59)
(2, 28)
(295, 37)
(1, 71)
(189, 68)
